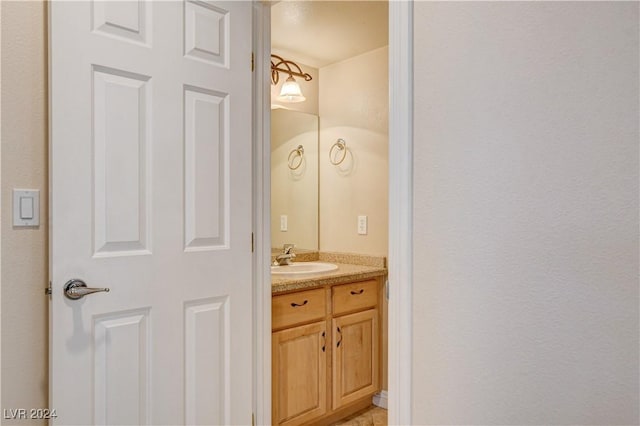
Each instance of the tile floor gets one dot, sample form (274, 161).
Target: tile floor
(372, 416)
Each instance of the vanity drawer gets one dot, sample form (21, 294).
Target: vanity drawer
(355, 296)
(297, 308)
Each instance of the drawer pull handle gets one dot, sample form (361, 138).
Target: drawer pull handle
(324, 341)
(295, 305)
(339, 341)
(357, 292)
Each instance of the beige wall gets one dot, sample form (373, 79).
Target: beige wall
(526, 213)
(24, 165)
(354, 107)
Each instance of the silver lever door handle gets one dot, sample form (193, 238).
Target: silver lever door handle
(76, 289)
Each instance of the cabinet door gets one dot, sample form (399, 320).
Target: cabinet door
(355, 357)
(299, 382)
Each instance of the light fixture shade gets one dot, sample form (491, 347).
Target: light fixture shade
(291, 91)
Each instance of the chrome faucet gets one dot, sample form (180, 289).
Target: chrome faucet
(286, 257)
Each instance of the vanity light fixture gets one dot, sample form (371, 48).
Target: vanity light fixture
(290, 91)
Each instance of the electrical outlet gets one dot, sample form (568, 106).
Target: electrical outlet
(362, 225)
(283, 223)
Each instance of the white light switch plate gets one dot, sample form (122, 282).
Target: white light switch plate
(283, 223)
(26, 207)
(362, 225)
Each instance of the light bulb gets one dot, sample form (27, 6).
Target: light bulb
(291, 91)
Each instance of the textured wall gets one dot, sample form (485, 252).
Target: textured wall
(354, 106)
(24, 165)
(526, 213)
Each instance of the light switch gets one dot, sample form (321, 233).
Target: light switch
(362, 225)
(283, 223)
(26, 207)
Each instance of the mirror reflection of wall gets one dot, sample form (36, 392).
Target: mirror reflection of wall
(343, 47)
(294, 179)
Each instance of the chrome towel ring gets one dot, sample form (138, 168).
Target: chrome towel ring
(340, 145)
(295, 153)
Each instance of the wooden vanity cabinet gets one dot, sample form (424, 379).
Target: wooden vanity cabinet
(325, 352)
(355, 357)
(299, 374)
(356, 335)
(299, 357)
(298, 308)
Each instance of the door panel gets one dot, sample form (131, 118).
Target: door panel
(127, 20)
(151, 197)
(206, 35)
(121, 135)
(121, 367)
(206, 189)
(207, 355)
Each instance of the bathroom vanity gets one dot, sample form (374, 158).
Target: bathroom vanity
(327, 341)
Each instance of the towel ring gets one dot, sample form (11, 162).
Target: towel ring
(341, 145)
(295, 153)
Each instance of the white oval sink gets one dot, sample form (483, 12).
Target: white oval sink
(303, 268)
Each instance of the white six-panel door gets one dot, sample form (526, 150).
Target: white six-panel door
(151, 197)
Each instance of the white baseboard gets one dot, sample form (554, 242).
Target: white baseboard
(380, 399)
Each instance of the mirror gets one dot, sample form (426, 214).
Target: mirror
(294, 179)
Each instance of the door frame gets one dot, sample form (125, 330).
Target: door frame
(400, 256)
(400, 261)
(262, 211)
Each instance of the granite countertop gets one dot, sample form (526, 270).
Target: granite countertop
(350, 268)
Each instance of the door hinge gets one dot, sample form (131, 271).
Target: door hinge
(252, 62)
(252, 242)
(48, 291)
